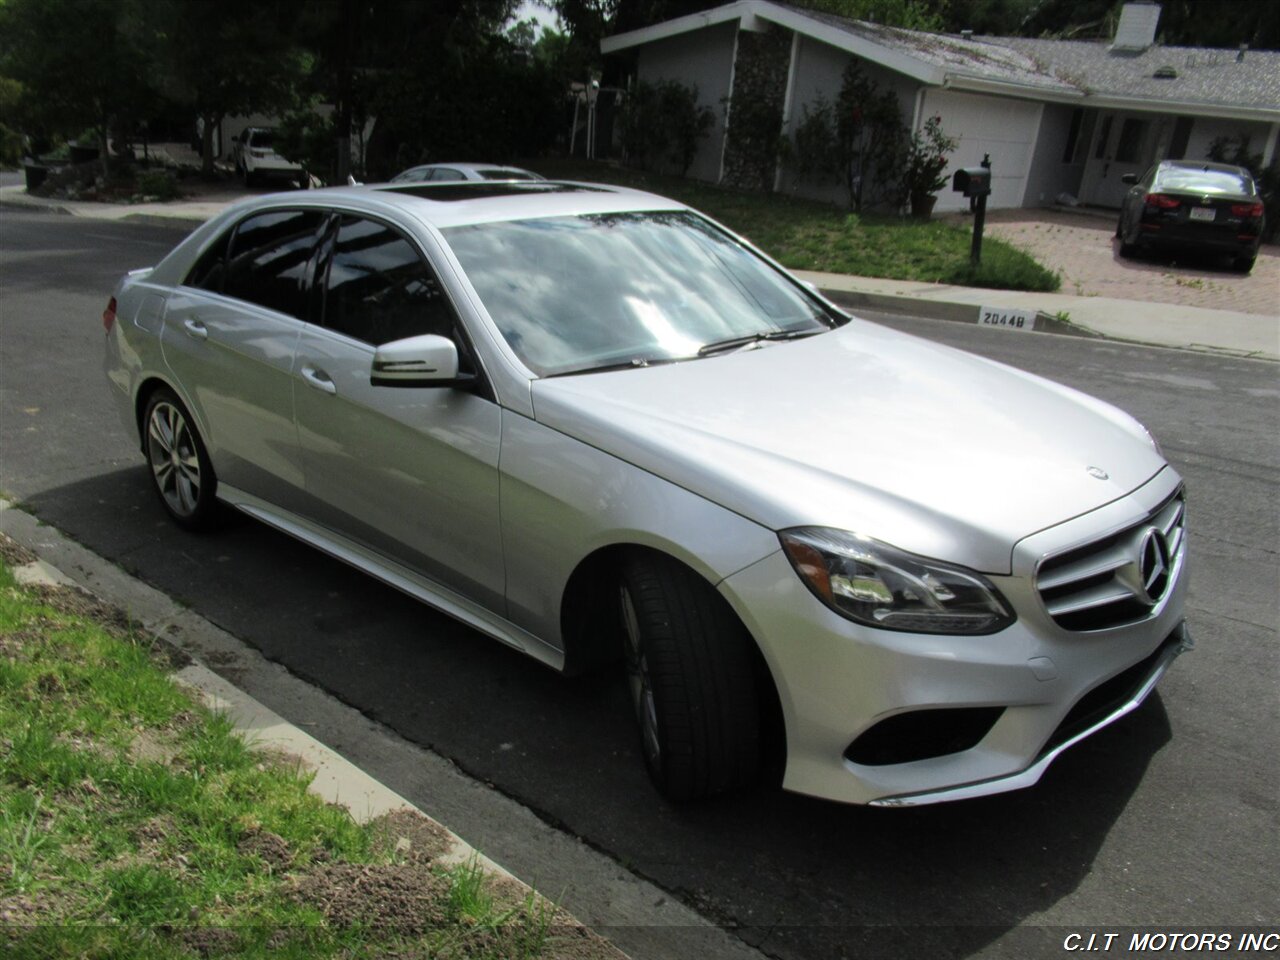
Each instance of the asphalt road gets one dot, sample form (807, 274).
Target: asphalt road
(1168, 818)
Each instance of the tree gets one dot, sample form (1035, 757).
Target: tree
(227, 58)
(911, 14)
(82, 64)
(869, 133)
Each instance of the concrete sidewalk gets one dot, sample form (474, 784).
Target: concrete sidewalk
(1255, 335)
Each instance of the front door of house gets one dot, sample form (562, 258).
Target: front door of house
(1122, 143)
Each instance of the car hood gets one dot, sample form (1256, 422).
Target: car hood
(934, 450)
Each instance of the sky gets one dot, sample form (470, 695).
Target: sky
(528, 8)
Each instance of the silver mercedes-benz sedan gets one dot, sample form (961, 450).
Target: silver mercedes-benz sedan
(596, 426)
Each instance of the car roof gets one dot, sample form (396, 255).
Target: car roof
(444, 205)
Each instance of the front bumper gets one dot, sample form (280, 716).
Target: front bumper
(837, 680)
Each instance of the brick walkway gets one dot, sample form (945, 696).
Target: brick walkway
(1082, 249)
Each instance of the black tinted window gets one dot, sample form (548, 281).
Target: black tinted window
(269, 261)
(209, 270)
(380, 289)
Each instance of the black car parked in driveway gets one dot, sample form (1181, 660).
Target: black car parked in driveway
(1195, 205)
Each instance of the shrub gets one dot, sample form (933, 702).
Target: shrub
(663, 123)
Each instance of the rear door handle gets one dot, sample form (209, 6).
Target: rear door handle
(196, 329)
(319, 379)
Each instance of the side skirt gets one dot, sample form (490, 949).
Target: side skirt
(395, 575)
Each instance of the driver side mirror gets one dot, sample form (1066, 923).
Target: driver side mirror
(423, 361)
(1129, 178)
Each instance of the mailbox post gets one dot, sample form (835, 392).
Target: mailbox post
(975, 183)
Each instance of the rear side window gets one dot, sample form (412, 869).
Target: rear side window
(210, 269)
(270, 260)
(380, 289)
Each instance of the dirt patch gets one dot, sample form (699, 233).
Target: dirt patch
(76, 602)
(406, 899)
(272, 849)
(13, 645)
(15, 554)
(411, 838)
(210, 941)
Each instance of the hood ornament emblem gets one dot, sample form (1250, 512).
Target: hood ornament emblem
(1097, 473)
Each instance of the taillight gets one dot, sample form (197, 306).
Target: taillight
(109, 315)
(1162, 201)
(1246, 209)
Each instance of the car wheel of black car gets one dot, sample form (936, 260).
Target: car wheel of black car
(690, 670)
(1244, 264)
(180, 469)
(250, 178)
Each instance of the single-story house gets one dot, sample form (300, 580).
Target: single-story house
(1056, 116)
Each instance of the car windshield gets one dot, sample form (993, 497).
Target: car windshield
(1205, 181)
(262, 138)
(577, 293)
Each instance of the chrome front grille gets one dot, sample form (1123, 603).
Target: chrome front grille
(1118, 579)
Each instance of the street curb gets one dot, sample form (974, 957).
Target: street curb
(952, 310)
(334, 778)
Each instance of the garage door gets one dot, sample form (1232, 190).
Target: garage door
(1001, 126)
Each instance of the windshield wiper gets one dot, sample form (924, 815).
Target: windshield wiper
(623, 365)
(732, 343)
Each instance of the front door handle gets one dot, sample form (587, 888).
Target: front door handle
(196, 329)
(317, 378)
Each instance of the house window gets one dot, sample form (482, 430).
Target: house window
(1132, 134)
(1181, 137)
(1073, 135)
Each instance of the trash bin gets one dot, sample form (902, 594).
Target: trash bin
(80, 153)
(36, 174)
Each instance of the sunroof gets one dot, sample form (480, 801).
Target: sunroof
(479, 190)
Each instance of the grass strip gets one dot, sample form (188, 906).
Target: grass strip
(806, 235)
(136, 823)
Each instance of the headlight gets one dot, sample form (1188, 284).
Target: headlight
(875, 584)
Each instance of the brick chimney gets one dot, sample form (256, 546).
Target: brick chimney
(1137, 29)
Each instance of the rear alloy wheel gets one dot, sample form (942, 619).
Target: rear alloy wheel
(691, 675)
(180, 469)
(1244, 264)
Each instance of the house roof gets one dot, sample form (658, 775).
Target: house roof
(1208, 81)
(1204, 75)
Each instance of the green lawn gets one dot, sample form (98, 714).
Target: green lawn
(135, 823)
(804, 235)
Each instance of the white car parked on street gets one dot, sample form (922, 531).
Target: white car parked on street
(597, 426)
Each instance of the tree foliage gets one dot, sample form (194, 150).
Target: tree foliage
(663, 123)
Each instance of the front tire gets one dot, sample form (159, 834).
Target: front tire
(181, 473)
(690, 668)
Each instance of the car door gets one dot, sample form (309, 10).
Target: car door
(410, 472)
(229, 337)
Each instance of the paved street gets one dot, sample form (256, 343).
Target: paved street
(1168, 818)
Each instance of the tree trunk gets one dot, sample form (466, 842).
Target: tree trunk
(206, 144)
(102, 152)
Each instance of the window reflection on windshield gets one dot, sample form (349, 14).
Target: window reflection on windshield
(1205, 181)
(570, 293)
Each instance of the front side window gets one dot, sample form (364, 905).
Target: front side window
(580, 292)
(380, 289)
(269, 262)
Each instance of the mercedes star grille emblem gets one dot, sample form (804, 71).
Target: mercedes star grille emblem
(1147, 575)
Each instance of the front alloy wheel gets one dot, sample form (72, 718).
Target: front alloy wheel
(180, 467)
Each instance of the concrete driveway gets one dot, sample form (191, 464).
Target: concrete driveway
(1081, 246)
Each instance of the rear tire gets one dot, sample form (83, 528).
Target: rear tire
(1244, 264)
(691, 672)
(181, 473)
